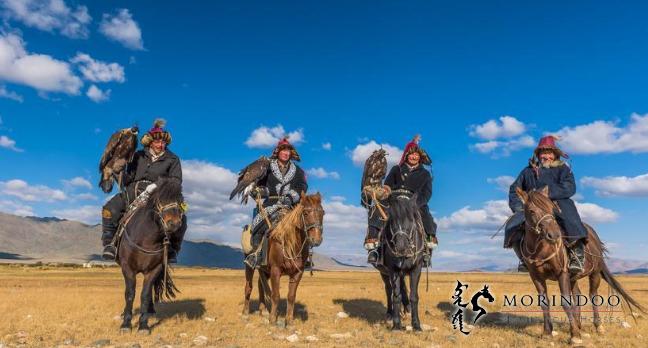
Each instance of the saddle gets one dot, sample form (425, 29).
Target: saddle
(139, 202)
(261, 250)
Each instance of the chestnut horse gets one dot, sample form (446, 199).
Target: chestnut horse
(545, 255)
(288, 250)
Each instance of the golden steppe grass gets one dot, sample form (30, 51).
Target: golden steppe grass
(49, 306)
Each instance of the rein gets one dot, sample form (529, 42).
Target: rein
(541, 235)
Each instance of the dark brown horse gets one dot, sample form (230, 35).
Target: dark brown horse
(545, 255)
(142, 249)
(288, 250)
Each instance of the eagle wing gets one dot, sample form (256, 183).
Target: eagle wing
(107, 155)
(118, 152)
(375, 169)
(250, 176)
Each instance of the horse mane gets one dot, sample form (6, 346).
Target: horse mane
(541, 201)
(402, 209)
(168, 190)
(286, 231)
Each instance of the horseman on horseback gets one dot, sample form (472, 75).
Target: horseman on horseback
(547, 169)
(407, 178)
(146, 167)
(279, 186)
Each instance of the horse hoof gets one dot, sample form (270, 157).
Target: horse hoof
(144, 332)
(417, 328)
(397, 328)
(575, 341)
(125, 330)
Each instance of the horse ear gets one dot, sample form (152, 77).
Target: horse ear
(318, 196)
(302, 195)
(524, 197)
(545, 191)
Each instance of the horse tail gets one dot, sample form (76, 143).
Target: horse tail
(164, 291)
(263, 283)
(614, 284)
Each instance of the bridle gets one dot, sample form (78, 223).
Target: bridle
(316, 224)
(537, 228)
(161, 209)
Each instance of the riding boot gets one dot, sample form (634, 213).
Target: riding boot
(576, 257)
(107, 238)
(371, 244)
(521, 266)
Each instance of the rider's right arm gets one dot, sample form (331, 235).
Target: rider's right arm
(514, 201)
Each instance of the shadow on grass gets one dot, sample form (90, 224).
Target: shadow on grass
(300, 309)
(193, 309)
(501, 320)
(370, 311)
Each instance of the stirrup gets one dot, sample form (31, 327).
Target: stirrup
(427, 260)
(251, 260)
(522, 268)
(372, 257)
(109, 252)
(575, 263)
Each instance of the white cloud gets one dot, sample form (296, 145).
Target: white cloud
(98, 71)
(326, 146)
(487, 218)
(503, 182)
(50, 15)
(88, 214)
(85, 197)
(606, 137)
(361, 152)
(321, 173)
(619, 185)
(507, 127)
(77, 182)
(4, 93)
(266, 137)
(592, 213)
(122, 28)
(97, 95)
(16, 208)
(9, 143)
(36, 193)
(504, 147)
(38, 71)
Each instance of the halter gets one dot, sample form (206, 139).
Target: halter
(412, 244)
(537, 229)
(542, 235)
(160, 209)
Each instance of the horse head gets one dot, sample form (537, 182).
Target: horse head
(167, 203)
(312, 217)
(540, 214)
(403, 225)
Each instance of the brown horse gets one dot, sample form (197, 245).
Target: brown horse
(545, 255)
(143, 246)
(288, 250)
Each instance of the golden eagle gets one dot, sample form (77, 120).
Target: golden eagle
(119, 151)
(375, 169)
(249, 177)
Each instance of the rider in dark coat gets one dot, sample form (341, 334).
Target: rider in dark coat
(546, 169)
(407, 178)
(280, 188)
(147, 166)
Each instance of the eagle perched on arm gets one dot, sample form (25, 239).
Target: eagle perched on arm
(119, 151)
(249, 177)
(374, 172)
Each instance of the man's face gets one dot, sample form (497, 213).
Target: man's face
(413, 158)
(284, 155)
(547, 156)
(158, 146)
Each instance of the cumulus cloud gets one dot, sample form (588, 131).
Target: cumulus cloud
(16, 208)
(98, 71)
(606, 137)
(361, 152)
(9, 143)
(97, 95)
(266, 137)
(121, 27)
(326, 146)
(593, 213)
(88, 214)
(503, 182)
(507, 127)
(504, 148)
(38, 71)
(77, 182)
(322, 173)
(49, 15)
(487, 218)
(31, 193)
(344, 227)
(4, 93)
(619, 185)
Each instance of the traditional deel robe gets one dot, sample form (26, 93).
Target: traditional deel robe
(404, 180)
(559, 178)
(284, 191)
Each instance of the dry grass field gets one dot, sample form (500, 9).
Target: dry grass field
(48, 307)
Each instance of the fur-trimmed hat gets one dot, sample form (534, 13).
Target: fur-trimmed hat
(549, 143)
(285, 144)
(157, 133)
(413, 146)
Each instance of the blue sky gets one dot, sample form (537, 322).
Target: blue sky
(481, 82)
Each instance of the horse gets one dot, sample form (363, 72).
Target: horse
(403, 243)
(545, 255)
(143, 248)
(289, 247)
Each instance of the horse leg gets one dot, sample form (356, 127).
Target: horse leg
(249, 275)
(541, 287)
(576, 292)
(130, 283)
(565, 292)
(388, 291)
(275, 277)
(415, 277)
(594, 282)
(292, 294)
(396, 300)
(407, 306)
(146, 298)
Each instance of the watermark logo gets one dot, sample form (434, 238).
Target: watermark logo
(458, 316)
